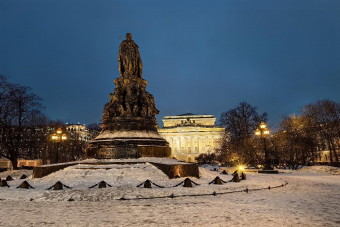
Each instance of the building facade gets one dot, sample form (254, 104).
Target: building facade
(190, 135)
(79, 132)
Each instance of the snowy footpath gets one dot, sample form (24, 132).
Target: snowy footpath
(311, 198)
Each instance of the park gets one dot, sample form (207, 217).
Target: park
(147, 147)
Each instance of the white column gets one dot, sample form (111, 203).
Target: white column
(180, 145)
(171, 144)
(212, 143)
(192, 145)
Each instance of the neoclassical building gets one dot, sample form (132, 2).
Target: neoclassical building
(190, 135)
(79, 132)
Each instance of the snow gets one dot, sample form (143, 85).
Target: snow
(321, 169)
(210, 167)
(118, 161)
(311, 198)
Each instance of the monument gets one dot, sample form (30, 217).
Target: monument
(129, 125)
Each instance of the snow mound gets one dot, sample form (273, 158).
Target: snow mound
(124, 179)
(210, 167)
(321, 169)
(16, 174)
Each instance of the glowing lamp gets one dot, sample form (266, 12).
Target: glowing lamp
(64, 137)
(266, 132)
(263, 125)
(258, 132)
(55, 137)
(59, 131)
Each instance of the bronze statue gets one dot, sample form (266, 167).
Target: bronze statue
(130, 99)
(129, 60)
(129, 128)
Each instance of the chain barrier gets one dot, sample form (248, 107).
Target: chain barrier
(247, 190)
(58, 186)
(186, 179)
(149, 182)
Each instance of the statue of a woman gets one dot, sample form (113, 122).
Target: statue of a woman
(129, 60)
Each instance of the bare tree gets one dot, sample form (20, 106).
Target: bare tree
(94, 129)
(207, 159)
(17, 107)
(240, 124)
(35, 136)
(295, 142)
(325, 117)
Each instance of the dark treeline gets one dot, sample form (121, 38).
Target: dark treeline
(26, 131)
(298, 140)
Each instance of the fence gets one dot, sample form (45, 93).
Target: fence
(209, 194)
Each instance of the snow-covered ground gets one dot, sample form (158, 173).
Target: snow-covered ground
(312, 198)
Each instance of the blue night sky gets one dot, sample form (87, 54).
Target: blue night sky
(203, 57)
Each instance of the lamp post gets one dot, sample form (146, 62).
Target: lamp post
(262, 132)
(58, 137)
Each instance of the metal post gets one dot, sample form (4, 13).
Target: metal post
(58, 143)
(267, 165)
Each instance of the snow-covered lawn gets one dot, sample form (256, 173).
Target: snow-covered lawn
(312, 198)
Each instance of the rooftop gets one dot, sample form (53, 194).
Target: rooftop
(186, 115)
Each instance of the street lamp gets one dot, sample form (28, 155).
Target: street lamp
(58, 137)
(262, 132)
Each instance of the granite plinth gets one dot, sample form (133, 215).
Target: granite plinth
(128, 137)
(171, 169)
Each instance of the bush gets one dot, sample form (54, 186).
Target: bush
(207, 159)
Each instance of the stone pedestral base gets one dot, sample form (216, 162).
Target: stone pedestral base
(118, 151)
(128, 137)
(171, 170)
(127, 151)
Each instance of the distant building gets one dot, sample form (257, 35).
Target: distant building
(323, 154)
(190, 135)
(79, 132)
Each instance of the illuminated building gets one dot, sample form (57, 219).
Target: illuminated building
(79, 132)
(190, 135)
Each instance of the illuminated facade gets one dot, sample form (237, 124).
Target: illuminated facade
(79, 132)
(190, 135)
